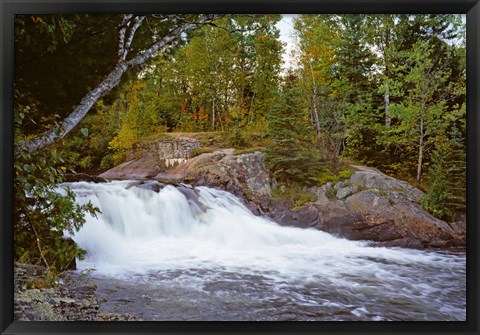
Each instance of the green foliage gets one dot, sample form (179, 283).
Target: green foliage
(86, 148)
(49, 279)
(447, 192)
(289, 157)
(237, 138)
(293, 194)
(42, 211)
(201, 150)
(437, 200)
(327, 175)
(331, 193)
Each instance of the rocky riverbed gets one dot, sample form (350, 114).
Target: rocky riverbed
(73, 298)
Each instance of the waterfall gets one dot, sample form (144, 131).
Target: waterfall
(202, 232)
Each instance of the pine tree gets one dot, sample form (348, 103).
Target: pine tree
(447, 194)
(289, 157)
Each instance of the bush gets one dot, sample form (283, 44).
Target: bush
(41, 212)
(294, 195)
(331, 193)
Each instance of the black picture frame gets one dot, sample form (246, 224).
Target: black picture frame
(8, 8)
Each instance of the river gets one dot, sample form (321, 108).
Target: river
(198, 254)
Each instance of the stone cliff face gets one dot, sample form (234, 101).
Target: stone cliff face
(150, 159)
(368, 206)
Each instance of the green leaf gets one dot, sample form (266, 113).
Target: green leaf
(28, 187)
(84, 131)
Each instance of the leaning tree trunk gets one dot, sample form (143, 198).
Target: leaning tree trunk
(110, 81)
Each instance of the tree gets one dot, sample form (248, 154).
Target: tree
(209, 64)
(42, 213)
(424, 103)
(289, 158)
(447, 193)
(126, 33)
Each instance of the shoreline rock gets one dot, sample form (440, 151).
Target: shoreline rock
(72, 299)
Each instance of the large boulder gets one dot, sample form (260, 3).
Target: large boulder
(243, 175)
(375, 207)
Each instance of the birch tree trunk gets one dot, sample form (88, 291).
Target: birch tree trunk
(388, 120)
(110, 81)
(314, 100)
(421, 145)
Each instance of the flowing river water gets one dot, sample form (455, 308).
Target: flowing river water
(199, 254)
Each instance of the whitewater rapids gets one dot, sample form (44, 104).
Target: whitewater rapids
(199, 254)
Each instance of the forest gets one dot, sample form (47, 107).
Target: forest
(386, 91)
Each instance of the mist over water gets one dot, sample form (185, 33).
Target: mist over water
(199, 254)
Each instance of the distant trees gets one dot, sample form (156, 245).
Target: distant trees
(388, 90)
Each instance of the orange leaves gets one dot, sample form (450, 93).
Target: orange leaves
(202, 116)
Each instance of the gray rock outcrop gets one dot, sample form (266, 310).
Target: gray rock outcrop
(373, 206)
(368, 206)
(148, 160)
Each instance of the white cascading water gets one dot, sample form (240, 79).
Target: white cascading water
(141, 232)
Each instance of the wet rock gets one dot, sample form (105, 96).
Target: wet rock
(76, 177)
(373, 178)
(151, 185)
(243, 175)
(141, 168)
(346, 191)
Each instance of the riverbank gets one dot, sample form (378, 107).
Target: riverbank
(73, 298)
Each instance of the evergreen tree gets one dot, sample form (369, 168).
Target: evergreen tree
(447, 193)
(290, 158)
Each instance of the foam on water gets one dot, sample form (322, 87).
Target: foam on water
(140, 231)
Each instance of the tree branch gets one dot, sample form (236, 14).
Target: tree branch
(121, 35)
(37, 238)
(138, 22)
(110, 81)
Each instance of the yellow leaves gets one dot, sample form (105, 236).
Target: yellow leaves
(37, 19)
(124, 140)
